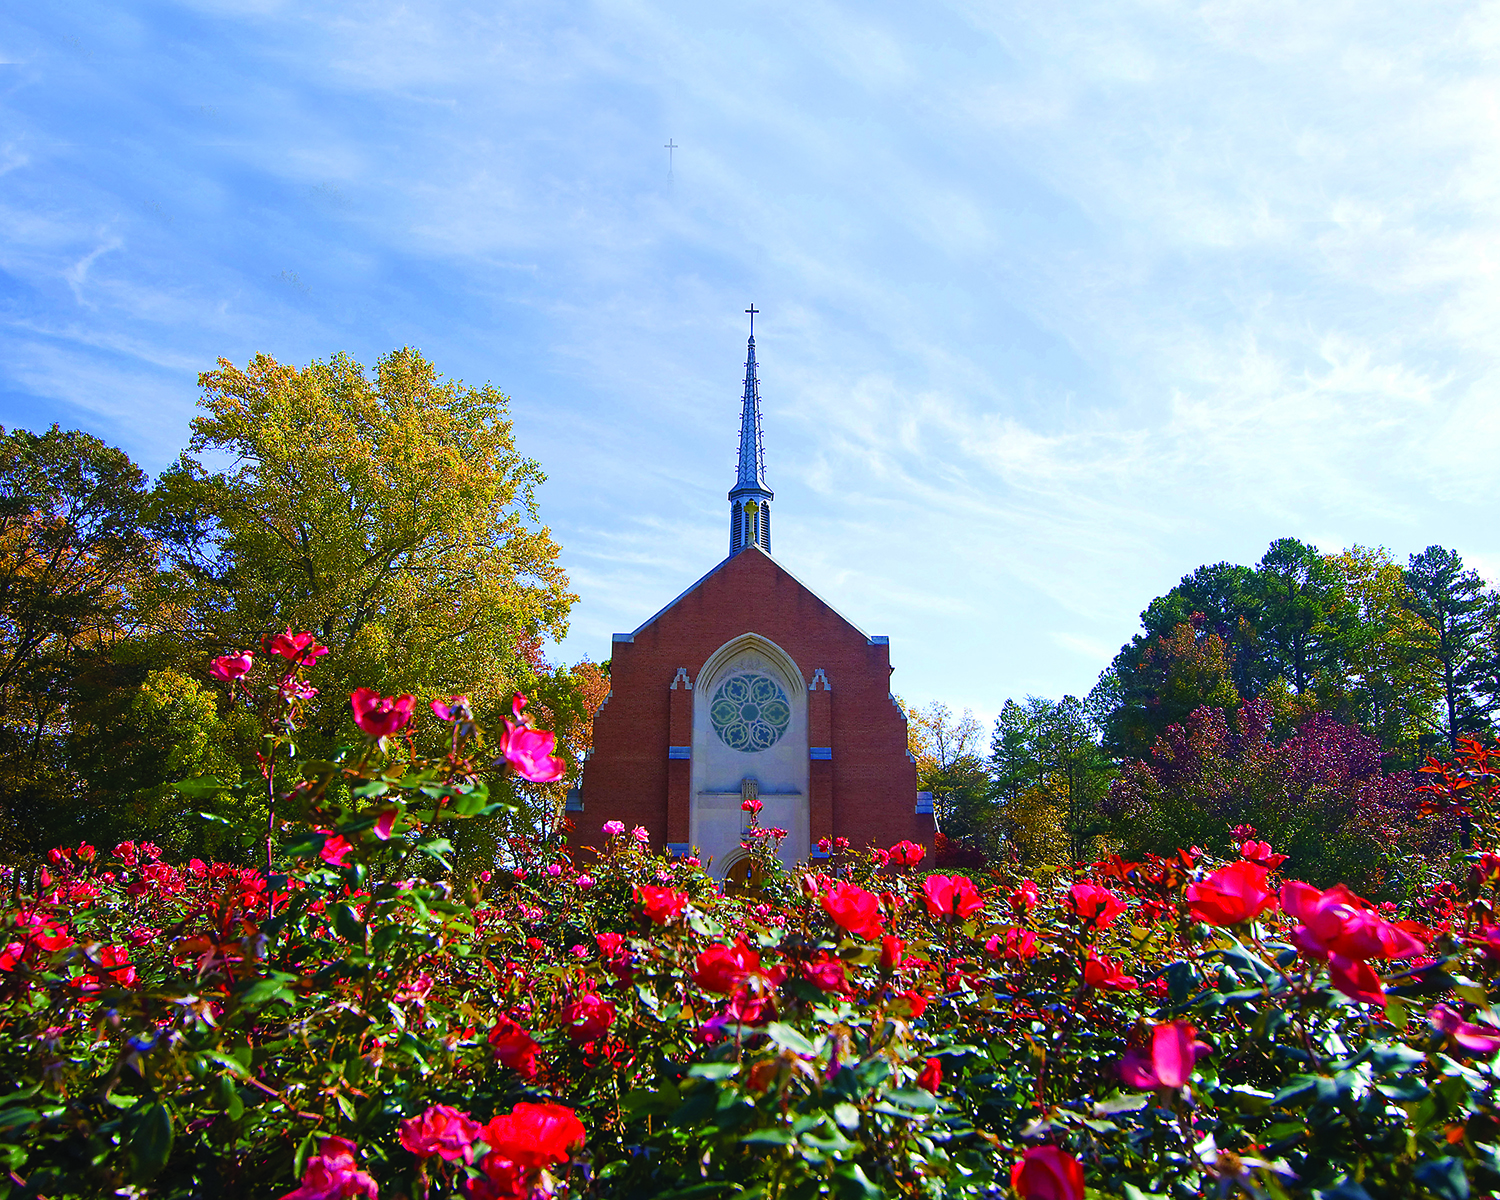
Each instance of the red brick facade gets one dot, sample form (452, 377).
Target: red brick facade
(864, 790)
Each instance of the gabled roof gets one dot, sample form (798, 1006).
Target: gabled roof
(750, 549)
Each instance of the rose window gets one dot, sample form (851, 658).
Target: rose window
(750, 712)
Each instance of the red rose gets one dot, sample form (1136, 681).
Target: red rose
(1260, 852)
(534, 1136)
(660, 905)
(589, 1017)
(1100, 972)
(948, 896)
(906, 854)
(917, 1002)
(1024, 897)
(890, 952)
(1231, 895)
(1047, 1173)
(514, 1047)
(1094, 905)
(931, 1077)
(827, 972)
(441, 1130)
(854, 909)
(721, 968)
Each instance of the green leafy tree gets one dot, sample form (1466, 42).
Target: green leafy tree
(131, 745)
(1389, 689)
(1045, 757)
(1455, 617)
(77, 556)
(1177, 673)
(950, 766)
(389, 511)
(1302, 613)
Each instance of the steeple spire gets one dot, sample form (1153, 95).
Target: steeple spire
(749, 501)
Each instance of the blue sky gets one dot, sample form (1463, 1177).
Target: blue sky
(1059, 300)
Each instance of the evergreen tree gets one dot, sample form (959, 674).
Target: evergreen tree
(1456, 617)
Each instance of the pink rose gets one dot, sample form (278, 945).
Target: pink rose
(1167, 1060)
(1047, 1173)
(380, 716)
(948, 896)
(333, 1174)
(231, 666)
(441, 1130)
(301, 649)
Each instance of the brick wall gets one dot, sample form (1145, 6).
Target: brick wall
(866, 793)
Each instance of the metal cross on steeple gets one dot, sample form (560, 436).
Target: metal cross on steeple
(749, 501)
(669, 147)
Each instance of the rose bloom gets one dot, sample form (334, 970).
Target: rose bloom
(890, 952)
(827, 972)
(333, 1174)
(947, 896)
(1094, 905)
(1231, 895)
(660, 905)
(529, 751)
(854, 909)
(931, 1077)
(231, 666)
(1100, 972)
(1024, 897)
(336, 847)
(1260, 852)
(1019, 944)
(299, 648)
(721, 968)
(907, 854)
(614, 828)
(380, 716)
(441, 1130)
(1337, 922)
(1047, 1173)
(1480, 1039)
(589, 1017)
(514, 1048)
(1167, 1060)
(535, 1136)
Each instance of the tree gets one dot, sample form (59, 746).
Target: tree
(950, 767)
(390, 513)
(1302, 613)
(1388, 689)
(1045, 757)
(1320, 796)
(76, 556)
(1174, 675)
(1455, 616)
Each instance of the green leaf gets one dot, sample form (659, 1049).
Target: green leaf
(199, 788)
(789, 1039)
(853, 1184)
(713, 1070)
(151, 1143)
(347, 925)
(438, 849)
(768, 1137)
(913, 1098)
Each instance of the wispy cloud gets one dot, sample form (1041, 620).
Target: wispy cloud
(1060, 300)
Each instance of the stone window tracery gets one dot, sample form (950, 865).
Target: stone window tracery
(750, 712)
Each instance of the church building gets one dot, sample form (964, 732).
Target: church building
(749, 686)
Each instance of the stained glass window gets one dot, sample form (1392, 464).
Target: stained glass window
(750, 712)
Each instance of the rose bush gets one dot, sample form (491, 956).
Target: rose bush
(352, 1018)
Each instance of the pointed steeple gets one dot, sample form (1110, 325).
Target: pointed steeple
(749, 501)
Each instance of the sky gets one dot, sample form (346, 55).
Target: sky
(1058, 300)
